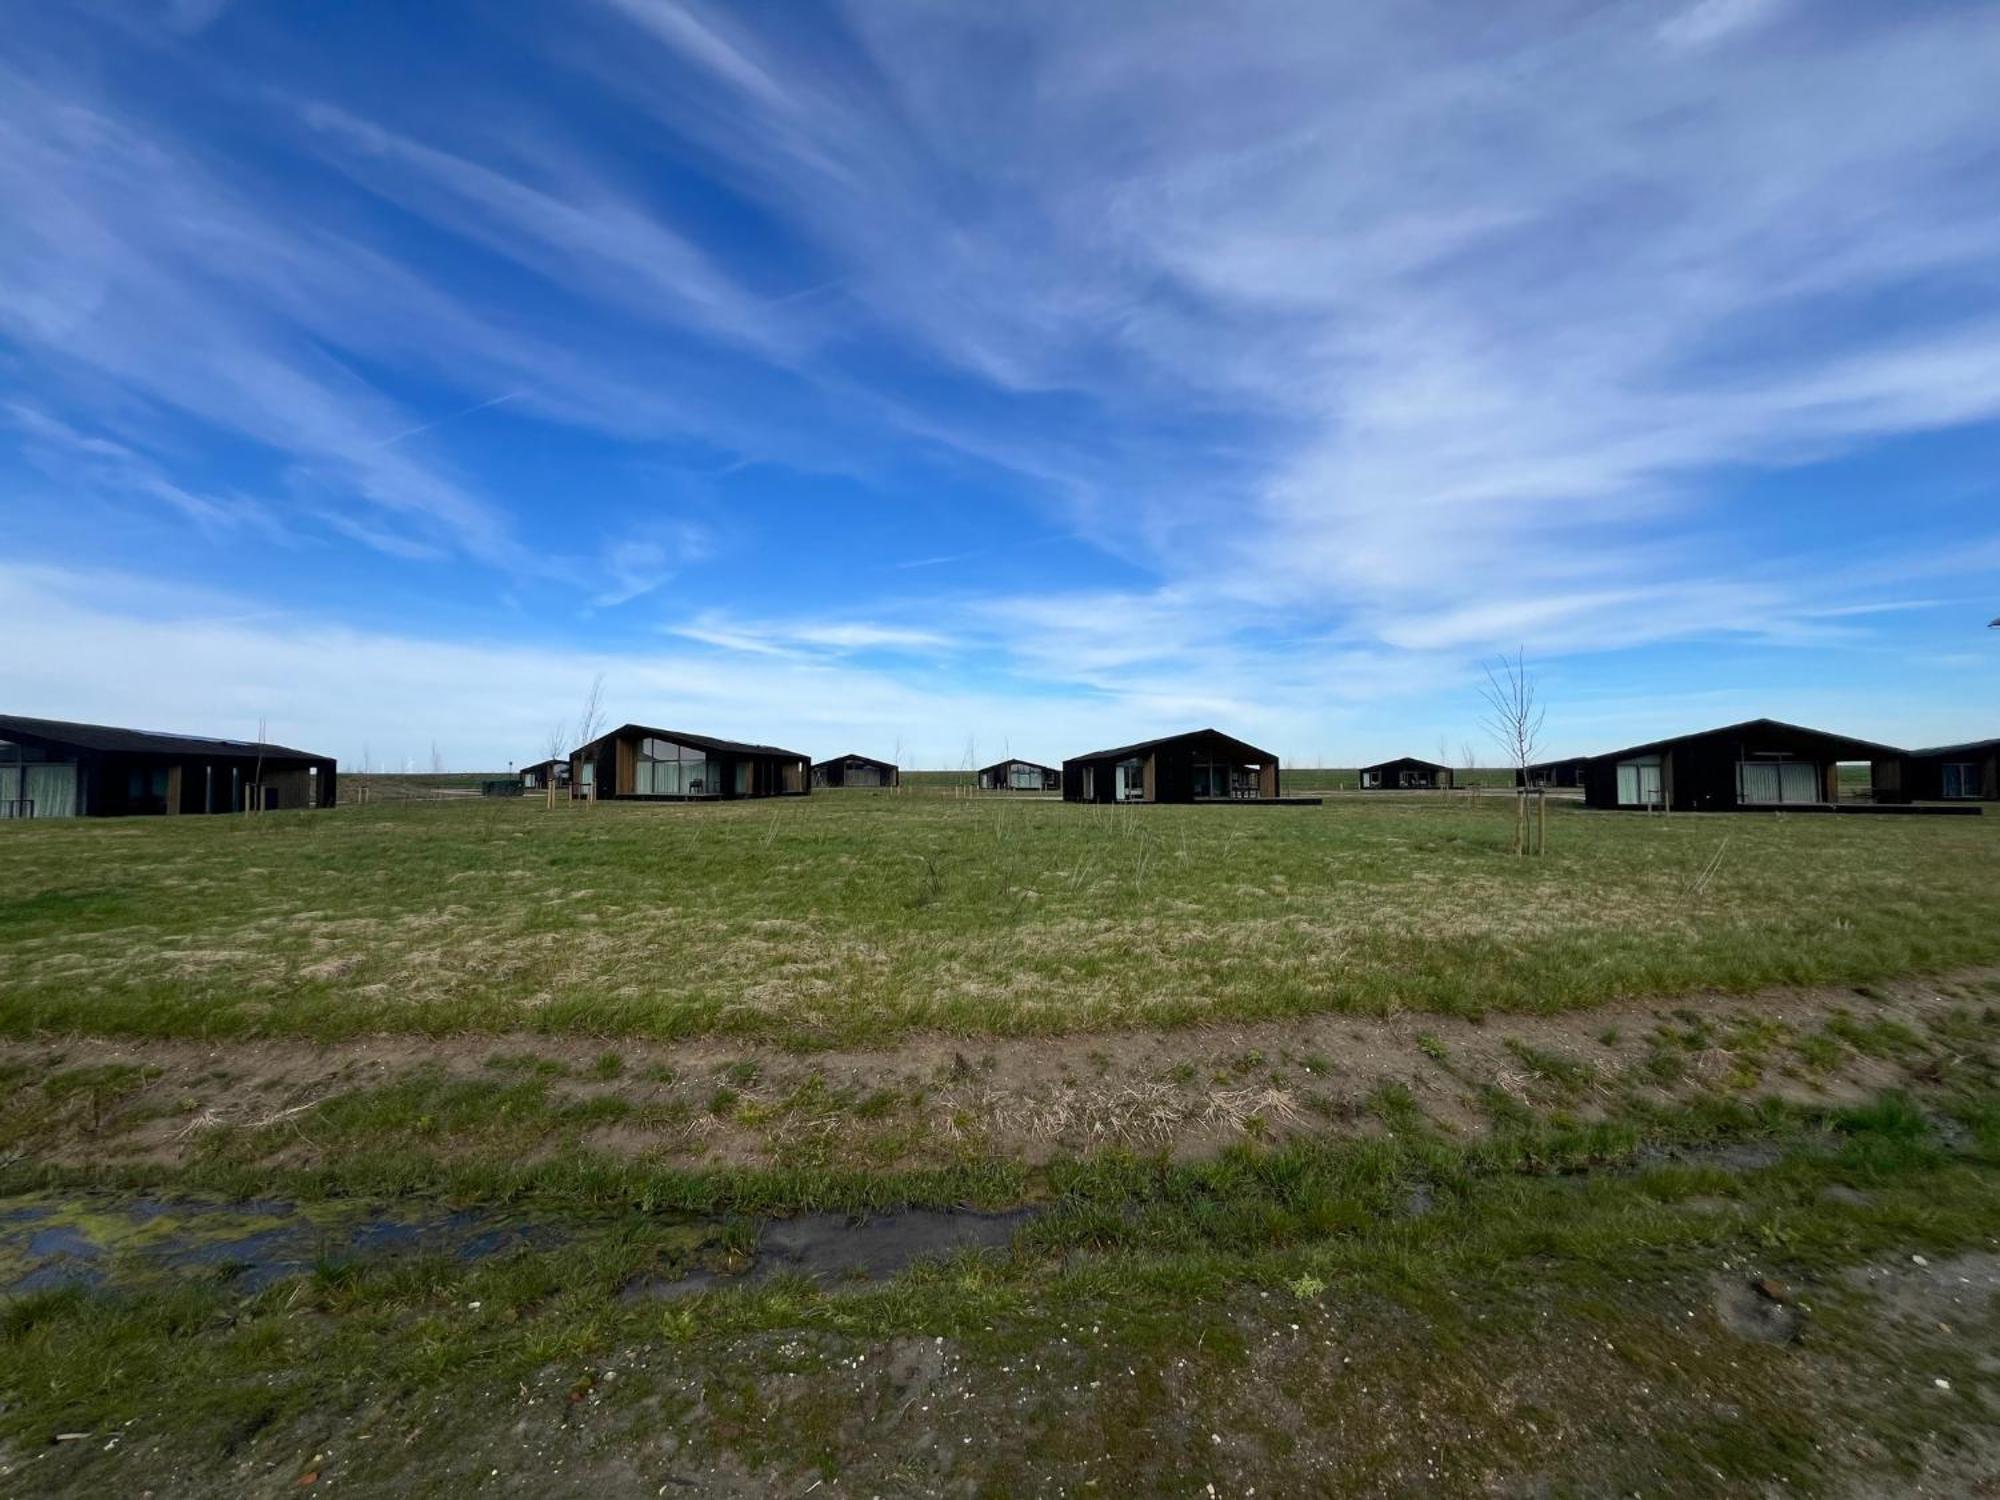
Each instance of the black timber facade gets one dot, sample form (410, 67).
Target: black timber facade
(1570, 774)
(856, 771)
(543, 774)
(1953, 773)
(1405, 773)
(1204, 765)
(1761, 765)
(638, 763)
(1019, 776)
(55, 768)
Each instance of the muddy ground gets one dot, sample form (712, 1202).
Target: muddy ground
(932, 1098)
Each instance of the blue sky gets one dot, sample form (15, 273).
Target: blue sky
(951, 380)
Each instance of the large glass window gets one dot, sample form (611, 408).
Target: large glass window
(146, 789)
(665, 769)
(1216, 778)
(1961, 779)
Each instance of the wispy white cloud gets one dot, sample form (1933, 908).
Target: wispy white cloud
(792, 637)
(1363, 344)
(1709, 21)
(640, 563)
(574, 231)
(1478, 311)
(86, 462)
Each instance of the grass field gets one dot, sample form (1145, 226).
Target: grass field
(451, 1148)
(855, 917)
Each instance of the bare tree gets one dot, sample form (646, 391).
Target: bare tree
(1514, 719)
(554, 747)
(257, 776)
(437, 760)
(590, 722)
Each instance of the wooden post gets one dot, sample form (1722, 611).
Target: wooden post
(1541, 822)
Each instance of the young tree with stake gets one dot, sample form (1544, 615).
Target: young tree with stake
(1513, 718)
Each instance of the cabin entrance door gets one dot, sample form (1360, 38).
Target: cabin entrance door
(1131, 784)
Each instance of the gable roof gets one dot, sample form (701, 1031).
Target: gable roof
(1970, 747)
(1122, 751)
(695, 741)
(106, 738)
(1868, 749)
(1033, 765)
(853, 760)
(1406, 760)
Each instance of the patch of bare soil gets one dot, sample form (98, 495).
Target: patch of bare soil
(935, 1098)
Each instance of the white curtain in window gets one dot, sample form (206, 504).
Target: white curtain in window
(1759, 781)
(50, 790)
(1639, 783)
(1801, 782)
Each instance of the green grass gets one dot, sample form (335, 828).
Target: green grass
(1277, 1317)
(845, 919)
(1372, 1294)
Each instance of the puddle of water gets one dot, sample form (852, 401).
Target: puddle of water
(62, 1242)
(835, 1248)
(55, 1242)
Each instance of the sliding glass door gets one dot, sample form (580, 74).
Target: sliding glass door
(1765, 783)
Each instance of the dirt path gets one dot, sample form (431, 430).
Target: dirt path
(937, 1098)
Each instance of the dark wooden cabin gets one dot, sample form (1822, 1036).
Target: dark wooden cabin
(635, 762)
(1953, 773)
(1555, 773)
(543, 774)
(856, 771)
(1019, 776)
(1759, 765)
(1407, 774)
(1204, 765)
(53, 769)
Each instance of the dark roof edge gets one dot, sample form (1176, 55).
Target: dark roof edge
(113, 739)
(1993, 744)
(698, 741)
(1766, 723)
(1168, 739)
